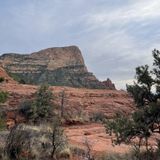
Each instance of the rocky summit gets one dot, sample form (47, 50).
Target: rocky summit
(59, 66)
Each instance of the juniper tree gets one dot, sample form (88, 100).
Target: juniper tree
(41, 108)
(146, 119)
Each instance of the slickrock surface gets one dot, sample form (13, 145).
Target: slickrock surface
(89, 101)
(96, 136)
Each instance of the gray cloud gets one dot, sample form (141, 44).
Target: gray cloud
(114, 36)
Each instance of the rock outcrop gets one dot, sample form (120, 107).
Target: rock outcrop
(108, 83)
(60, 66)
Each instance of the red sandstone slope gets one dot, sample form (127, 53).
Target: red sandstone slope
(6, 77)
(96, 136)
(88, 100)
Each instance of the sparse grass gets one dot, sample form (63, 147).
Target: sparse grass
(65, 154)
(134, 154)
(111, 156)
(78, 151)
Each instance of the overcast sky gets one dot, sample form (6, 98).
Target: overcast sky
(114, 36)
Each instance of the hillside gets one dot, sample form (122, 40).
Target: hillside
(81, 106)
(86, 102)
(59, 66)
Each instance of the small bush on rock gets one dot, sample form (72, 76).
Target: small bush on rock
(41, 108)
(3, 96)
(97, 117)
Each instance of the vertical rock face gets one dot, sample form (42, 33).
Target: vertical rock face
(59, 66)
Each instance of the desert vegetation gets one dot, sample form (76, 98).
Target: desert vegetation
(42, 132)
(41, 136)
(2, 79)
(40, 109)
(141, 125)
(3, 95)
(3, 98)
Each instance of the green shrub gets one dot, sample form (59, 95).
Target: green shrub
(97, 117)
(3, 96)
(2, 124)
(76, 150)
(27, 109)
(41, 108)
(1, 79)
(17, 78)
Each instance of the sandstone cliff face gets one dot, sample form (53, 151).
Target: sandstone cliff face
(60, 66)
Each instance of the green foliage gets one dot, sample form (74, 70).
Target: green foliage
(143, 76)
(97, 117)
(43, 96)
(3, 96)
(17, 78)
(146, 119)
(1, 79)
(123, 127)
(2, 124)
(43, 103)
(27, 109)
(40, 109)
(138, 93)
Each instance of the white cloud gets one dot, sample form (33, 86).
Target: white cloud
(139, 10)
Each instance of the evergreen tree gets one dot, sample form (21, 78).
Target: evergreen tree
(146, 119)
(41, 108)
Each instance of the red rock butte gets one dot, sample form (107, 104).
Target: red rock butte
(58, 66)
